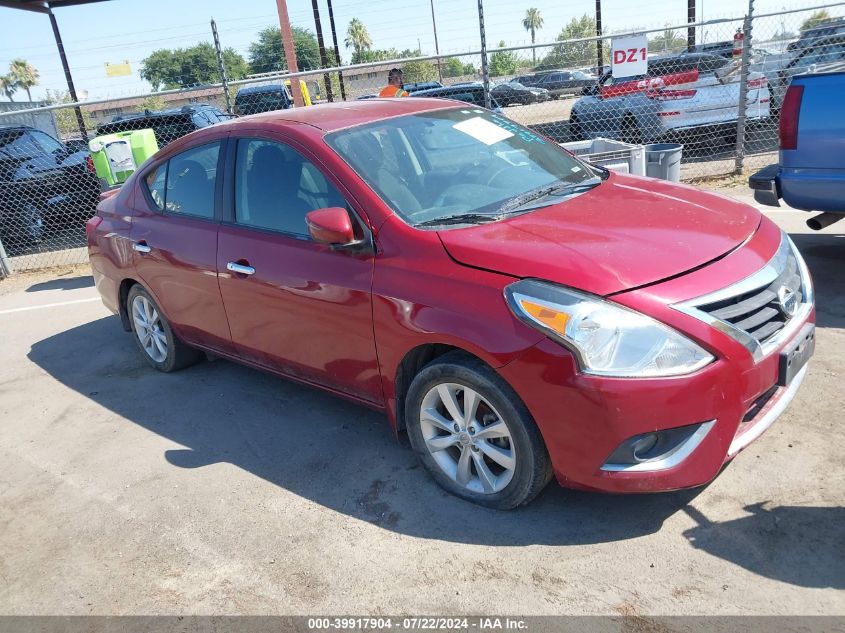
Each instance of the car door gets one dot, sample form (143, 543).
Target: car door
(174, 237)
(294, 305)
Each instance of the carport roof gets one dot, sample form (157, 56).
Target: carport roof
(43, 6)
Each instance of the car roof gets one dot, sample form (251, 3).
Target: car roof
(343, 114)
(262, 88)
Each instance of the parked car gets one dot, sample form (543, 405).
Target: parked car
(421, 85)
(530, 81)
(722, 49)
(167, 125)
(519, 313)
(514, 93)
(264, 98)
(565, 83)
(43, 185)
(809, 37)
(681, 96)
(826, 55)
(468, 92)
(810, 174)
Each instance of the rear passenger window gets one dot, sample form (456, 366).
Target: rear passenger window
(185, 184)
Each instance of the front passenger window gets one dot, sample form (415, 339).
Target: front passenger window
(275, 187)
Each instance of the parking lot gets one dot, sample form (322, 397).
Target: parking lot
(220, 489)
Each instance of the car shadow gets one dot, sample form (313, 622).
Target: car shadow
(794, 544)
(321, 447)
(825, 257)
(70, 283)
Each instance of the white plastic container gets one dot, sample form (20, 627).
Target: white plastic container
(615, 155)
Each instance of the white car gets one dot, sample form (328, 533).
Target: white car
(681, 96)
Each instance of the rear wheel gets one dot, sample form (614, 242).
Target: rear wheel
(575, 131)
(631, 131)
(474, 435)
(158, 343)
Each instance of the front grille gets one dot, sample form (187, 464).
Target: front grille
(760, 312)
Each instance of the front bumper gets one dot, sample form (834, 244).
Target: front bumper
(584, 418)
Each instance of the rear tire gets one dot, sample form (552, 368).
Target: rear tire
(575, 131)
(631, 131)
(474, 435)
(159, 345)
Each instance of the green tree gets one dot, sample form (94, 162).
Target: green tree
(531, 23)
(503, 62)
(573, 54)
(66, 117)
(9, 86)
(418, 71)
(24, 74)
(667, 42)
(183, 67)
(453, 67)
(267, 54)
(153, 103)
(815, 19)
(357, 38)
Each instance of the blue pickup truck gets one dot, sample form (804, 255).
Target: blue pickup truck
(811, 173)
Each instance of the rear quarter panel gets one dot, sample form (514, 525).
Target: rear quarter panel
(109, 246)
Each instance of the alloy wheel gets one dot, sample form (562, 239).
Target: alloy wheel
(149, 329)
(468, 439)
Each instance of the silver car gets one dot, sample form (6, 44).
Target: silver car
(683, 95)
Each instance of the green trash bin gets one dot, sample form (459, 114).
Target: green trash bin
(117, 156)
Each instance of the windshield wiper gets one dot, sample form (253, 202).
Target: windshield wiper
(559, 189)
(461, 218)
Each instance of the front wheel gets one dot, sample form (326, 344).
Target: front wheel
(474, 434)
(158, 343)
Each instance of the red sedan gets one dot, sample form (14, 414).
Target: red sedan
(519, 313)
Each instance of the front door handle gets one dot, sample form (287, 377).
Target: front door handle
(241, 269)
(141, 247)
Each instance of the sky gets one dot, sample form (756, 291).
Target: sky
(131, 29)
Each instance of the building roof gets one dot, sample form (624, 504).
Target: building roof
(335, 116)
(136, 101)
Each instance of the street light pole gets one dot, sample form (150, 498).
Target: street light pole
(290, 51)
(599, 52)
(327, 80)
(336, 50)
(436, 46)
(485, 69)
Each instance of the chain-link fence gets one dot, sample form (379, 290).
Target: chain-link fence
(714, 86)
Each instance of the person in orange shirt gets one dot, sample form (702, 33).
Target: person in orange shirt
(394, 85)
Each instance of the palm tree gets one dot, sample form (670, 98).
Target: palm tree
(531, 22)
(8, 85)
(669, 42)
(357, 37)
(24, 74)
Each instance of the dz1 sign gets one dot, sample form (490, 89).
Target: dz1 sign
(629, 56)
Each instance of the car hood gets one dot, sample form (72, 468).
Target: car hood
(625, 233)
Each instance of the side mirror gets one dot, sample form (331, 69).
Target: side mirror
(331, 226)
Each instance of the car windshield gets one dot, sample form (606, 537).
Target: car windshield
(458, 162)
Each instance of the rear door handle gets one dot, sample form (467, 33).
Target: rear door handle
(241, 269)
(141, 247)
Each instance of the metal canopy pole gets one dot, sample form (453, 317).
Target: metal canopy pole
(485, 69)
(71, 89)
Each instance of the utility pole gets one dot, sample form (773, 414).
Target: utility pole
(290, 51)
(599, 52)
(743, 88)
(327, 80)
(336, 50)
(80, 122)
(691, 29)
(223, 78)
(436, 46)
(485, 69)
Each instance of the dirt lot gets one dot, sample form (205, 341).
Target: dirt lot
(223, 490)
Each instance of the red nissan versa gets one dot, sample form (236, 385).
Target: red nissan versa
(518, 312)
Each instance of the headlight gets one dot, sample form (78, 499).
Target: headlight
(608, 340)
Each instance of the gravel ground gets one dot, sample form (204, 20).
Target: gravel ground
(222, 490)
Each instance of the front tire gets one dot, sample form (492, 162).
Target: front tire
(159, 345)
(474, 435)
